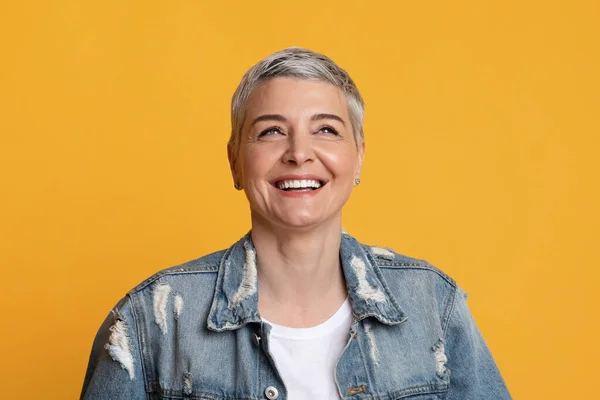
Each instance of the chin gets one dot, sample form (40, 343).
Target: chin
(304, 221)
(296, 218)
(300, 222)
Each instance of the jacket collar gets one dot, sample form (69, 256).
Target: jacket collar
(235, 301)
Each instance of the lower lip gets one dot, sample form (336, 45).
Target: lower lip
(299, 193)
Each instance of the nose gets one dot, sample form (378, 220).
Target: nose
(299, 150)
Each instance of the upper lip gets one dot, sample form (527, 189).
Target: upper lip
(298, 178)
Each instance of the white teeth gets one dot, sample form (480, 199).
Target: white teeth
(299, 184)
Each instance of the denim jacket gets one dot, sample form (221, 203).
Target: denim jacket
(194, 332)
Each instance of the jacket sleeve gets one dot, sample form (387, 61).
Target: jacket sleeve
(473, 372)
(115, 369)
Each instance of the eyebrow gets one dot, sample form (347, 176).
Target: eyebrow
(268, 117)
(318, 117)
(281, 118)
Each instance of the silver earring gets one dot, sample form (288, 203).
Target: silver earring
(356, 181)
(237, 186)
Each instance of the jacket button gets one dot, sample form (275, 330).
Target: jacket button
(256, 339)
(271, 393)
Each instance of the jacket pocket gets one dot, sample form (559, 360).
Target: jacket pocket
(422, 393)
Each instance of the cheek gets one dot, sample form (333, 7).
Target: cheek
(258, 161)
(340, 160)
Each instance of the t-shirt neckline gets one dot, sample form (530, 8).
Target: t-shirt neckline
(341, 315)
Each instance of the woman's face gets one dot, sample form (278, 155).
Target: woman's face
(298, 159)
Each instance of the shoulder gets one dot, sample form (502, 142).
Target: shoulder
(413, 281)
(388, 260)
(421, 289)
(204, 268)
(161, 300)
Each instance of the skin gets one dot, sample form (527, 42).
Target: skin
(297, 127)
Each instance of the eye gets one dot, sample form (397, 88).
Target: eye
(329, 130)
(274, 130)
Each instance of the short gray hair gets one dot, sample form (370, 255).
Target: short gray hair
(300, 63)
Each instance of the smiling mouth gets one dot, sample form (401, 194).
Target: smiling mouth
(293, 185)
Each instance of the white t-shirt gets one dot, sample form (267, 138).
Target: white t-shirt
(306, 357)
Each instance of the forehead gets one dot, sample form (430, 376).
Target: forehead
(293, 97)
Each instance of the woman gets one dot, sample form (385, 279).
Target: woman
(335, 318)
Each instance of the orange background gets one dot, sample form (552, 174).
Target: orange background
(482, 133)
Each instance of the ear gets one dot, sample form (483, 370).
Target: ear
(232, 157)
(361, 157)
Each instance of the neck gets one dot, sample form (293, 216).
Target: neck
(300, 279)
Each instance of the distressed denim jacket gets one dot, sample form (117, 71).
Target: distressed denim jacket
(194, 332)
